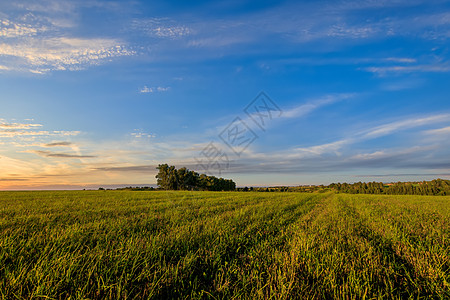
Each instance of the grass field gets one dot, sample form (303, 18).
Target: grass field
(223, 245)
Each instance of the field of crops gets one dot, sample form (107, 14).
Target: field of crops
(220, 245)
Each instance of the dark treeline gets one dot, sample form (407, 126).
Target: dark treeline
(434, 187)
(169, 178)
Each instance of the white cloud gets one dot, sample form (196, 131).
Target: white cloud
(218, 41)
(409, 69)
(162, 89)
(439, 131)
(46, 6)
(20, 133)
(337, 23)
(401, 59)
(161, 28)
(389, 153)
(12, 130)
(264, 117)
(10, 29)
(353, 32)
(171, 32)
(42, 56)
(333, 147)
(403, 84)
(146, 89)
(337, 148)
(141, 134)
(11, 126)
(39, 40)
(65, 133)
(404, 124)
(370, 156)
(309, 107)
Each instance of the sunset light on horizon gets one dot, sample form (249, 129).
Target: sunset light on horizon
(99, 93)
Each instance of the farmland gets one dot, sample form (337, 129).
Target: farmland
(220, 245)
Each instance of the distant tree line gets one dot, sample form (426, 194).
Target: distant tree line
(169, 178)
(434, 187)
(137, 188)
(301, 189)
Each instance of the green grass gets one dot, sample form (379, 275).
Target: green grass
(222, 245)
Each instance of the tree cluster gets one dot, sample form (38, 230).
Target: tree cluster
(434, 187)
(169, 178)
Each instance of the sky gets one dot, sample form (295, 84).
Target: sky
(98, 93)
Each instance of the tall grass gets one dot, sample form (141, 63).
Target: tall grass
(222, 245)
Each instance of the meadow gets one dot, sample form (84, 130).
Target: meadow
(223, 245)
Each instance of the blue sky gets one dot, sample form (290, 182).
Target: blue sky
(98, 93)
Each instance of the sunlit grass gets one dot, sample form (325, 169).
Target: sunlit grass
(122, 244)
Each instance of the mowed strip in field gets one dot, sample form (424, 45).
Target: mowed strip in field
(122, 244)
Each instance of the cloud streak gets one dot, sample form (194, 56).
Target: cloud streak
(15, 126)
(439, 131)
(59, 144)
(58, 155)
(382, 71)
(149, 90)
(141, 168)
(405, 124)
(313, 105)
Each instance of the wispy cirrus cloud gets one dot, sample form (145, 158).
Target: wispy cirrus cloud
(44, 43)
(384, 70)
(303, 109)
(338, 22)
(376, 132)
(401, 59)
(405, 124)
(438, 131)
(343, 154)
(313, 105)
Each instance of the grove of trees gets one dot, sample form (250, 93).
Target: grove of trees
(439, 187)
(434, 187)
(169, 178)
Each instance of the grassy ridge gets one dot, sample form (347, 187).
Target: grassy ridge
(121, 244)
